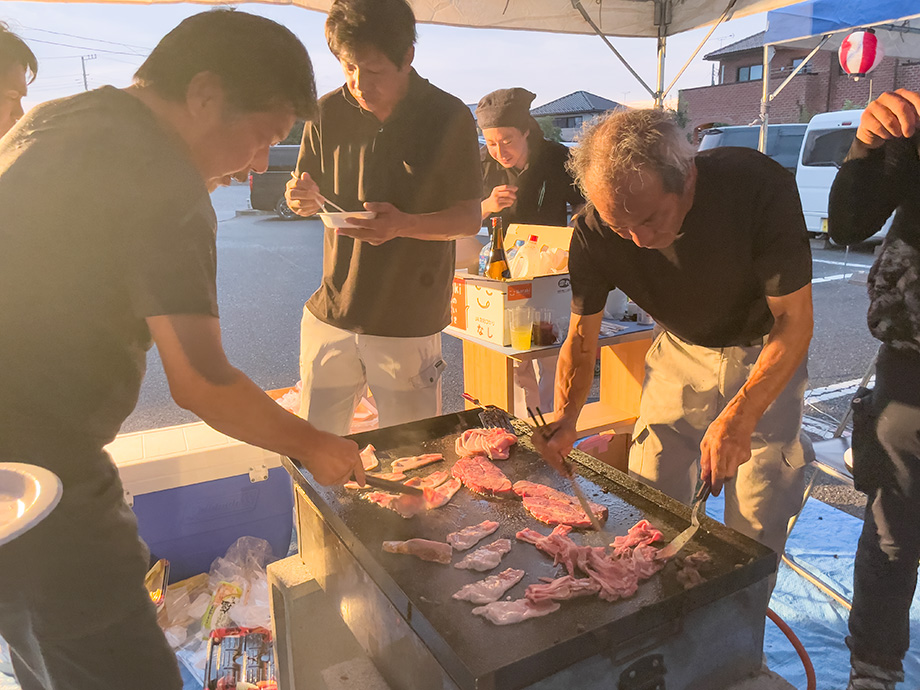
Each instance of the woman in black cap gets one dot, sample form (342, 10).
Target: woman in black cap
(523, 174)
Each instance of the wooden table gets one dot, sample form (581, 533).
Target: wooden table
(488, 374)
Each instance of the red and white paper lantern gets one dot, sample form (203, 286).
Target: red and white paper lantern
(860, 53)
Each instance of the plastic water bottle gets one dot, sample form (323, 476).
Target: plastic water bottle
(484, 255)
(514, 250)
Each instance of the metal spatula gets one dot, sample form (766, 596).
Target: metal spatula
(491, 416)
(680, 541)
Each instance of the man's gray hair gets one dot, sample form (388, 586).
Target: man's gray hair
(623, 143)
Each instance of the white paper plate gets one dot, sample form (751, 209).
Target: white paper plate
(28, 494)
(337, 220)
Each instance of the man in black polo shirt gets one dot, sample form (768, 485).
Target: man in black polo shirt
(714, 247)
(389, 142)
(122, 254)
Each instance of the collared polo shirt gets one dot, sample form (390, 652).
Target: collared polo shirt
(424, 158)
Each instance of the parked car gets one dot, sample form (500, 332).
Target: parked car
(783, 141)
(266, 190)
(827, 141)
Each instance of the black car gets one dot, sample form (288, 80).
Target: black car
(266, 190)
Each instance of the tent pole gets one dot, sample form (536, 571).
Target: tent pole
(659, 81)
(715, 26)
(764, 100)
(577, 5)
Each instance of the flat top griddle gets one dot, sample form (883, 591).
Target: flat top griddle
(470, 647)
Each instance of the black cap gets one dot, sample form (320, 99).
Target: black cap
(506, 108)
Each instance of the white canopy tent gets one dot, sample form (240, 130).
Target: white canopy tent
(606, 18)
(824, 24)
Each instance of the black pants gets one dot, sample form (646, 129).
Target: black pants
(886, 456)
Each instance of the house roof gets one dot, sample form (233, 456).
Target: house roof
(750, 43)
(578, 102)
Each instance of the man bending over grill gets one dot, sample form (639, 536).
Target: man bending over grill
(390, 142)
(713, 246)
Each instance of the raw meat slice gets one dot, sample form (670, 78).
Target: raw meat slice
(486, 557)
(481, 476)
(491, 589)
(434, 479)
(554, 507)
(508, 612)
(369, 457)
(414, 462)
(392, 476)
(438, 496)
(427, 550)
(617, 576)
(562, 589)
(495, 443)
(468, 537)
(641, 533)
(381, 498)
(689, 574)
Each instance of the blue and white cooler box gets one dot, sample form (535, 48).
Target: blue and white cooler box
(195, 491)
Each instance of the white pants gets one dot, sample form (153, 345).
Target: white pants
(686, 387)
(534, 385)
(403, 374)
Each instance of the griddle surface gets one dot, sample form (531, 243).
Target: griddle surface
(422, 590)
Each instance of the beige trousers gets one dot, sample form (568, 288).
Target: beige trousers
(686, 387)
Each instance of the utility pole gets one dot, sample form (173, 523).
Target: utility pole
(83, 59)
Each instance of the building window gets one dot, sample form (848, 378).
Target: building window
(572, 122)
(750, 73)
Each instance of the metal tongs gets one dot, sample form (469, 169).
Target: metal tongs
(491, 416)
(541, 427)
(680, 541)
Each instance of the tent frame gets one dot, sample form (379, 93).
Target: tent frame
(662, 21)
(768, 48)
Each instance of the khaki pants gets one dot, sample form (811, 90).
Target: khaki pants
(686, 387)
(337, 365)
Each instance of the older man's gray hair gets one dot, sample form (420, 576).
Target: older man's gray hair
(625, 143)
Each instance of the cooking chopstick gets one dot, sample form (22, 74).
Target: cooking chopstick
(579, 494)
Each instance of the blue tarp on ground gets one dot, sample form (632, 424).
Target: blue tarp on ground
(825, 539)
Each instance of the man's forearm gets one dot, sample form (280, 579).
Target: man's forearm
(786, 347)
(460, 220)
(574, 373)
(239, 408)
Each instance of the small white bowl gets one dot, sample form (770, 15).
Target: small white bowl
(337, 220)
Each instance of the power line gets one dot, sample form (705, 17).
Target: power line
(69, 45)
(86, 38)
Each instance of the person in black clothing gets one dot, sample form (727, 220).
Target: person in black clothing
(713, 246)
(882, 175)
(524, 178)
(123, 258)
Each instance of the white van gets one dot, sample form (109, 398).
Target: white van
(827, 142)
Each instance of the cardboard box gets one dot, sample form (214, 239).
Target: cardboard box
(479, 305)
(195, 491)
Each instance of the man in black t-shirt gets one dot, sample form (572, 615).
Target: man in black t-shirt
(390, 142)
(107, 245)
(714, 247)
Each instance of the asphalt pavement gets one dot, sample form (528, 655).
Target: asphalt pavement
(268, 267)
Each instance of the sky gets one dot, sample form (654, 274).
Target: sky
(111, 40)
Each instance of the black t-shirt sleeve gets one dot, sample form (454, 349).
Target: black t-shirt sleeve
(172, 264)
(589, 287)
(782, 253)
(309, 160)
(458, 170)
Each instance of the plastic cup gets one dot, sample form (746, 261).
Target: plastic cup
(521, 323)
